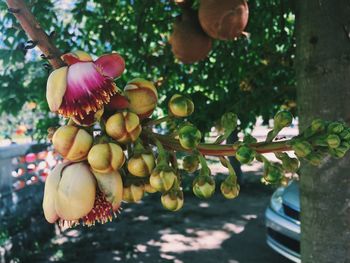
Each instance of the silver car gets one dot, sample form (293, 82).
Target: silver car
(283, 221)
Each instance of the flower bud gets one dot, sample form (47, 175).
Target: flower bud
(345, 134)
(173, 200)
(111, 185)
(149, 189)
(141, 165)
(143, 97)
(203, 186)
(72, 143)
(318, 125)
(283, 119)
(333, 141)
(229, 189)
(162, 178)
(335, 127)
(189, 137)
(133, 193)
(106, 157)
(180, 106)
(124, 127)
(302, 148)
(229, 121)
(117, 102)
(245, 154)
(76, 192)
(272, 174)
(190, 163)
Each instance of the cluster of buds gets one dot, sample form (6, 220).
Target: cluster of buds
(111, 153)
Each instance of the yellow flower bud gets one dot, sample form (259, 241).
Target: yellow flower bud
(133, 193)
(141, 165)
(143, 97)
(72, 143)
(106, 157)
(180, 106)
(124, 127)
(162, 179)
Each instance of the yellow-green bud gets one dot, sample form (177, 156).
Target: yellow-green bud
(229, 190)
(189, 137)
(315, 159)
(203, 186)
(245, 154)
(302, 148)
(283, 119)
(149, 189)
(190, 163)
(335, 127)
(333, 141)
(180, 106)
(318, 125)
(272, 174)
(162, 178)
(345, 135)
(229, 121)
(173, 200)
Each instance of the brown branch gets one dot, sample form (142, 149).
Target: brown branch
(33, 29)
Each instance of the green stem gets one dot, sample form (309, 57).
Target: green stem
(219, 150)
(158, 121)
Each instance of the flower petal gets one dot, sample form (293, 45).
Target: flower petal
(87, 90)
(111, 65)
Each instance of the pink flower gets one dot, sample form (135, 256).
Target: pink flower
(84, 85)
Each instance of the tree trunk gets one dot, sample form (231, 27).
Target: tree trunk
(323, 75)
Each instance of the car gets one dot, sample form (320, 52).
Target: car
(282, 218)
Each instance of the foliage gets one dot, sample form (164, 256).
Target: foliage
(251, 76)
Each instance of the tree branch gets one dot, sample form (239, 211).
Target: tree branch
(33, 29)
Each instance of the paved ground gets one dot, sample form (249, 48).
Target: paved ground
(216, 230)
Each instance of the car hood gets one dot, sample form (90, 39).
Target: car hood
(291, 196)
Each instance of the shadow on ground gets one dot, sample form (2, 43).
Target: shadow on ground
(216, 230)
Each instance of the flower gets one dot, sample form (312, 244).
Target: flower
(84, 85)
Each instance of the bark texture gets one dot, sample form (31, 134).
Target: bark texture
(323, 74)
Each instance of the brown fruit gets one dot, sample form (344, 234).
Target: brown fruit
(188, 40)
(223, 19)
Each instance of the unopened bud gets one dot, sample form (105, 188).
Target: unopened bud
(229, 121)
(203, 186)
(190, 163)
(173, 200)
(133, 193)
(189, 137)
(318, 125)
(335, 127)
(315, 159)
(333, 141)
(229, 189)
(162, 178)
(272, 174)
(283, 119)
(245, 154)
(302, 148)
(180, 106)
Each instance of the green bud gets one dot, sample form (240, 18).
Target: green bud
(345, 134)
(302, 148)
(335, 127)
(318, 125)
(190, 163)
(180, 106)
(291, 165)
(315, 158)
(203, 186)
(283, 119)
(338, 152)
(345, 144)
(333, 141)
(245, 154)
(229, 121)
(272, 174)
(229, 189)
(189, 137)
(173, 200)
